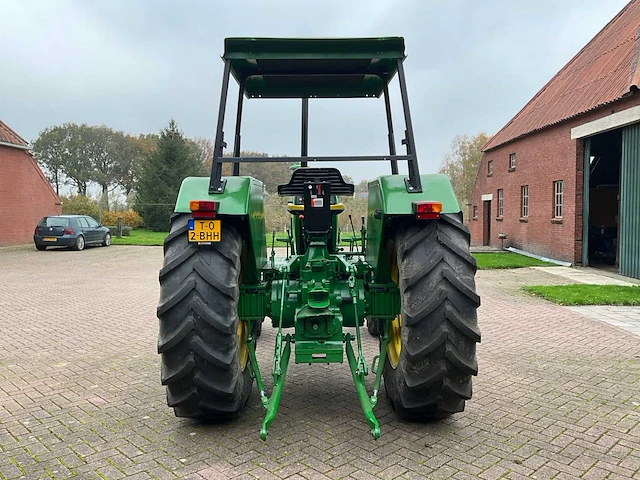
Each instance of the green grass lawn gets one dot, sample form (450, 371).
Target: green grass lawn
(485, 260)
(584, 294)
(491, 260)
(140, 237)
(147, 237)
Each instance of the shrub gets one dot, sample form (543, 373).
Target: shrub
(129, 218)
(132, 219)
(80, 205)
(110, 218)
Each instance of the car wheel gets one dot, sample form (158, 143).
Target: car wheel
(41, 247)
(107, 240)
(79, 245)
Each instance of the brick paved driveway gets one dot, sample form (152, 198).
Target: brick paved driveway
(557, 397)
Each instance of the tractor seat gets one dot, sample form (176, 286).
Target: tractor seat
(305, 175)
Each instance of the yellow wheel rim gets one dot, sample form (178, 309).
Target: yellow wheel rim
(243, 350)
(395, 342)
(243, 331)
(394, 347)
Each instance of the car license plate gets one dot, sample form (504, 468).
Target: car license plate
(204, 231)
(50, 239)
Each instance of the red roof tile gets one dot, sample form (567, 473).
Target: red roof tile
(9, 136)
(602, 72)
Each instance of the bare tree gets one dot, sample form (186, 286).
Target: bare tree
(462, 163)
(205, 150)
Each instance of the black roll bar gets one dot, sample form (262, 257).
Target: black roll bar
(304, 137)
(217, 183)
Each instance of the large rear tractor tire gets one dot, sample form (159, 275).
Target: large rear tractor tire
(201, 339)
(431, 355)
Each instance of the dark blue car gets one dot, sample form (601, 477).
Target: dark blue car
(74, 231)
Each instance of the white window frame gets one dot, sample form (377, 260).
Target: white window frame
(500, 202)
(490, 167)
(524, 201)
(558, 198)
(475, 211)
(512, 161)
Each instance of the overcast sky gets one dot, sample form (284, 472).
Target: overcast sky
(134, 64)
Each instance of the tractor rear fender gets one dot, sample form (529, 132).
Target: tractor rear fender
(390, 203)
(242, 201)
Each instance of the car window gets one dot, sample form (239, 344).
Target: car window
(83, 222)
(54, 222)
(92, 222)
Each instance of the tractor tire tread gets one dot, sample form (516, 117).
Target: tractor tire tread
(198, 338)
(439, 320)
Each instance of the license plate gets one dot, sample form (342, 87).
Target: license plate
(204, 231)
(50, 239)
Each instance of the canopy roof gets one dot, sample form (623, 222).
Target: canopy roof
(313, 67)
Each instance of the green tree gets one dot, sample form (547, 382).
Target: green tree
(80, 205)
(76, 164)
(81, 154)
(462, 163)
(62, 151)
(163, 172)
(108, 153)
(134, 152)
(49, 150)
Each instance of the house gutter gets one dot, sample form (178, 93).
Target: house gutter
(538, 257)
(13, 145)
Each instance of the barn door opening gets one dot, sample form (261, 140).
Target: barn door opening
(604, 199)
(486, 222)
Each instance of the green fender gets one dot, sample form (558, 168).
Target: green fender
(243, 197)
(389, 201)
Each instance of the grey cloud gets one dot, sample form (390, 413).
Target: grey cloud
(135, 64)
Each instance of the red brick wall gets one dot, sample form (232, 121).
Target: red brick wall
(541, 158)
(25, 196)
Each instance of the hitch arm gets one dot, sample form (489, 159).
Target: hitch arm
(358, 379)
(281, 357)
(278, 382)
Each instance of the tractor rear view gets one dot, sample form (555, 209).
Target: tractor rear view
(410, 275)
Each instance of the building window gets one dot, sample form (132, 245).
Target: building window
(512, 161)
(489, 168)
(475, 211)
(557, 199)
(500, 202)
(524, 201)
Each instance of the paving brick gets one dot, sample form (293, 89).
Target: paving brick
(80, 394)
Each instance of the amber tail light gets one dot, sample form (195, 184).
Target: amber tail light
(203, 208)
(427, 210)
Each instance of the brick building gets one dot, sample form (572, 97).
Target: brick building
(571, 153)
(25, 194)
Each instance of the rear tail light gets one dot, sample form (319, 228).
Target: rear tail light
(203, 208)
(35, 232)
(68, 231)
(427, 210)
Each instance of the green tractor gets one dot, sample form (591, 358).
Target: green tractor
(409, 275)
